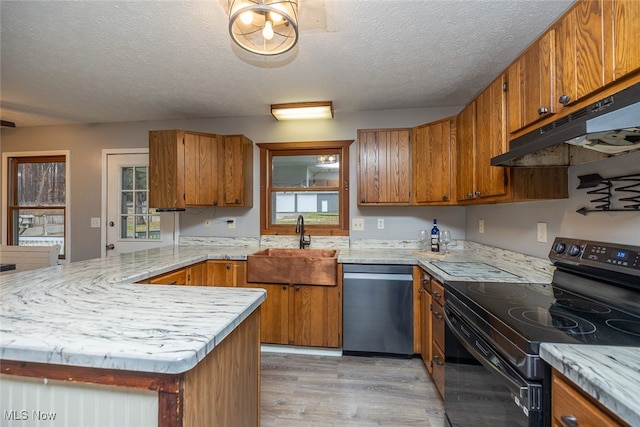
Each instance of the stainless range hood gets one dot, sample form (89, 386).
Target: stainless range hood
(608, 127)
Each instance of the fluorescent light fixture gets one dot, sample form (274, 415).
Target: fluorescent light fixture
(303, 110)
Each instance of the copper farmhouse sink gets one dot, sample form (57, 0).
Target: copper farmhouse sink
(293, 266)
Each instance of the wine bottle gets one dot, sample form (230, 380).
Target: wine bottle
(435, 237)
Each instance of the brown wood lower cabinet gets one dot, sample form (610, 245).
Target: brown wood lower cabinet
(192, 275)
(305, 315)
(438, 326)
(226, 273)
(426, 347)
(572, 407)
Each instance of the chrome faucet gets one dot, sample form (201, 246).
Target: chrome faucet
(300, 229)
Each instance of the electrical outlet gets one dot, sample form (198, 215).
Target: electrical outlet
(481, 226)
(231, 222)
(542, 232)
(357, 224)
(380, 223)
(95, 222)
(207, 223)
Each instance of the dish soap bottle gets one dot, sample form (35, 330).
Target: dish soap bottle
(435, 237)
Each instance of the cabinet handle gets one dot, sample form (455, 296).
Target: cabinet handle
(542, 110)
(174, 282)
(437, 359)
(569, 420)
(564, 99)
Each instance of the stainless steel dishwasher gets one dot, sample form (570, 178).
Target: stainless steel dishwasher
(377, 309)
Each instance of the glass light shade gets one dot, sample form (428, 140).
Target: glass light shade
(303, 111)
(252, 23)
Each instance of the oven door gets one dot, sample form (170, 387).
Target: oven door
(481, 388)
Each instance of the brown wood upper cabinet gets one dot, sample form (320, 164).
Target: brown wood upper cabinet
(199, 169)
(530, 84)
(626, 36)
(384, 166)
(431, 162)
(583, 51)
(481, 135)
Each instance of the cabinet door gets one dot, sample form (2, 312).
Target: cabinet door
(197, 274)
(274, 313)
(626, 36)
(425, 320)
(431, 162)
(465, 152)
(200, 181)
(384, 166)
(530, 96)
(316, 319)
(166, 169)
(490, 140)
(226, 273)
(235, 163)
(583, 51)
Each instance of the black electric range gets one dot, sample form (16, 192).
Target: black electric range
(594, 298)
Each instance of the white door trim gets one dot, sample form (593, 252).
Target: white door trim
(103, 211)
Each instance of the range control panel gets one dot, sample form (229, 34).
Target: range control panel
(607, 256)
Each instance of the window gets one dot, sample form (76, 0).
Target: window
(137, 221)
(309, 179)
(37, 207)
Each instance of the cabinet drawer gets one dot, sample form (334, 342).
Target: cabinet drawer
(437, 321)
(437, 290)
(438, 369)
(178, 277)
(569, 402)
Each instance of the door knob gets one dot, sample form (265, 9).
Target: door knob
(110, 246)
(111, 223)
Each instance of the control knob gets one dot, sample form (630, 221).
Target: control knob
(573, 250)
(559, 247)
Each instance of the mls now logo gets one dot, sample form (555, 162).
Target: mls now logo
(23, 415)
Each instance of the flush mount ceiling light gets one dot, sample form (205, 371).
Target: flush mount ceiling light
(265, 27)
(303, 110)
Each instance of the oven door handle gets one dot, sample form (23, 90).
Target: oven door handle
(490, 360)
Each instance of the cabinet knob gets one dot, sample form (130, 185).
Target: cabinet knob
(228, 266)
(542, 110)
(569, 421)
(478, 193)
(237, 201)
(564, 99)
(362, 200)
(284, 287)
(297, 288)
(469, 195)
(215, 203)
(438, 315)
(436, 294)
(437, 359)
(445, 198)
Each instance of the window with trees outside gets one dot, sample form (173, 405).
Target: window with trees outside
(304, 178)
(37, 208)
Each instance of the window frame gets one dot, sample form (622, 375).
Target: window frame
(271, 149)
(9, 184)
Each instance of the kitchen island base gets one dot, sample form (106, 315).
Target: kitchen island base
(222, 390)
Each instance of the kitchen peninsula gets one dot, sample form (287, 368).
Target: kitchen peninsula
(82, 343)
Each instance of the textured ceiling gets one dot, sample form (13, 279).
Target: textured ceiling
(113, 61)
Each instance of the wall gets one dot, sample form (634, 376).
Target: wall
(87, 141)
(509, 226)
(513, 226)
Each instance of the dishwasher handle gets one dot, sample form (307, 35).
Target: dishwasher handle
(378, 276)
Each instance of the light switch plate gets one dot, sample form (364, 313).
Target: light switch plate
(380, 223)
(542, 232)
(481, 226)
(95, 222)
(357, 224)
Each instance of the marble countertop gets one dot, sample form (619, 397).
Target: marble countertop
(611, 375)
(91, 314)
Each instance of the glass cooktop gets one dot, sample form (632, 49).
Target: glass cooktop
(479, 270)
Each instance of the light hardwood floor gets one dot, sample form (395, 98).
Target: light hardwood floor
(313, 391)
